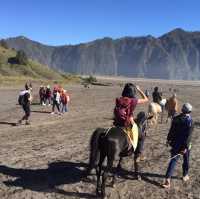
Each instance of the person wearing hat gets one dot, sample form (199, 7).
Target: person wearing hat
(179, 138)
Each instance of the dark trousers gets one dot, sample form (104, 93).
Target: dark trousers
(27, 111)
(55, 103)
(48, 99)
(173, 161)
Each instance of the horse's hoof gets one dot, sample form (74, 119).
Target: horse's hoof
(98, 194)
(139, 178)
(113, 185)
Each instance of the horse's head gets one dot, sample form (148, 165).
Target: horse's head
(141, 120)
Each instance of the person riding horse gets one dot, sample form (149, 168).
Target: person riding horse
(157, 96)
(123, 117)
(114, 143)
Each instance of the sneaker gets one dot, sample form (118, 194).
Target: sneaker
(186, 178)
(49, 105)
(166, 184)
(52, 113)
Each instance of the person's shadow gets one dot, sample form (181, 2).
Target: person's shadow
(9, 123)
(46, 180)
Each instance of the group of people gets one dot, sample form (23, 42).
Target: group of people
(179, 136)
(58, 97)
(60, 100)
(45, 95)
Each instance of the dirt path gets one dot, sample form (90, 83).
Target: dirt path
(53, 150)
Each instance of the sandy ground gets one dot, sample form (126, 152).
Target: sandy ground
(54, 150)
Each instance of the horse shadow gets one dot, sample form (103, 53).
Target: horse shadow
(9, 123)
(47, 180)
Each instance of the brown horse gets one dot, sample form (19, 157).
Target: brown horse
(172, 107)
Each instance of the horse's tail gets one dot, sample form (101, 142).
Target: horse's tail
(94, 149)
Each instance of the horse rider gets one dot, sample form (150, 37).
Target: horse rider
(124, 116)
(179, 138)
(157, 97)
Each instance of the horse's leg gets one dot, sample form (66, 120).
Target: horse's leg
(167, 119)
(98, 172)
(119, 167)
(161, 116)
(93, 164)
(136, 166)
(105, 175)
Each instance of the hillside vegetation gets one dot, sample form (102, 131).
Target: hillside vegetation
(11, 69)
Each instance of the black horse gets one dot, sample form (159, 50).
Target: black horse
(113, 143)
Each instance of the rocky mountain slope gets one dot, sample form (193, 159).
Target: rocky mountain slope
(174, 55)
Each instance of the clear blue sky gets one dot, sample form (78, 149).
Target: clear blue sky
(58, 22)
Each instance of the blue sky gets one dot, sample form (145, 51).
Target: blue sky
(58, 22)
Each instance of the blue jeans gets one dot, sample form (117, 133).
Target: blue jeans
(173, 161)
(64, 108)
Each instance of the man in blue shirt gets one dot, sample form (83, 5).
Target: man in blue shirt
(179, 139)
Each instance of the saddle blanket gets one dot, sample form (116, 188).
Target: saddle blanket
(132, 134)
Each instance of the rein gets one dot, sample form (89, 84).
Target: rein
(107, 131)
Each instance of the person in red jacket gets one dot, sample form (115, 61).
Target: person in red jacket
(64, 101)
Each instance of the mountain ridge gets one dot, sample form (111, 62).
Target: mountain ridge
(173, 55)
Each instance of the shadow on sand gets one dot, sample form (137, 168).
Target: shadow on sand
(9, 123)
(60, 173)
(146, 176)
(46, 180)
(47, 112)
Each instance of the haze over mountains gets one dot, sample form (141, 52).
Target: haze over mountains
(174, 55)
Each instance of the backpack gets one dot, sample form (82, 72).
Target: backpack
(21, 100)
(122, 111)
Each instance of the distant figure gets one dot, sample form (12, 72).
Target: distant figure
(48, 96)
(25, 101)
(56, 100)
(157, 96)
(30, 86)
(179, 139)
(42, 94)
(65, 101)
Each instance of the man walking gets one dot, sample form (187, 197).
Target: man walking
(179, 139)
(25, 101)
